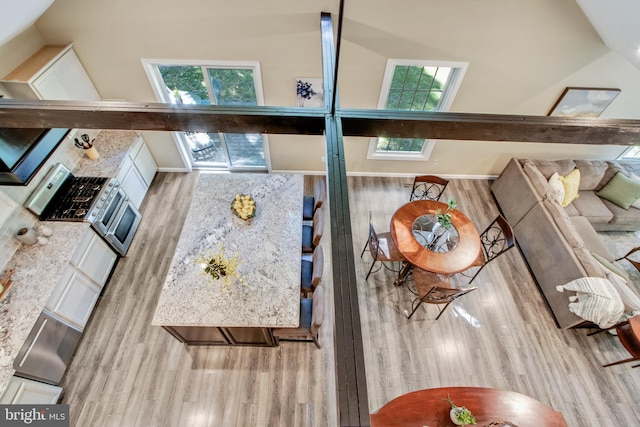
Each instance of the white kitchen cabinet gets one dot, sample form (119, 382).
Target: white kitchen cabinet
(53, 72)
(73, 298)
(137, 171)
(78, 290)
(21, 391)
(94, 257)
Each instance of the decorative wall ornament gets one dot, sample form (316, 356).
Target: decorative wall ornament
(309, 92)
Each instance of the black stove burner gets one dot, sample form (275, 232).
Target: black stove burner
(74, 199)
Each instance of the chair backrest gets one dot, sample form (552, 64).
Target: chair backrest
(317, 312)
(318, 225)
(318, 266)
(319, 193)
(374, 242)
(428, 187)
(497, 238)
(441, 295)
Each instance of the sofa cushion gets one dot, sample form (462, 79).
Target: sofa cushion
(611, 267)
(589, 264)
(623, 216)
(596, 300)
(590, 238)
(538, 181)
(621, 190)
(548, 167)
(592, 207)
(571, 210)
(571, 183)
(629, 297)
(591, 173)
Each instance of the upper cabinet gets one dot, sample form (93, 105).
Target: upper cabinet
(54, 73)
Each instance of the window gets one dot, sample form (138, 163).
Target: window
(415, 86)
(213, 83)
(631, 153)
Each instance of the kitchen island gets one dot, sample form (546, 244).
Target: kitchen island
(196, 309)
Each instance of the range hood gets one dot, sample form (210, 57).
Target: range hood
(24, 151)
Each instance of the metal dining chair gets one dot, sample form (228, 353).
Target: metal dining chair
(495, 240)
(382, 249)
(428, 187)
(430, 292)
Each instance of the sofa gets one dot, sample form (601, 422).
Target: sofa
(560, 243)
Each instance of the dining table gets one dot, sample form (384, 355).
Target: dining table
(428, 245)
(489, 406)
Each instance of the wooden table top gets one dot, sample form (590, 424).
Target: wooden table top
(454, 261)
(427, 408)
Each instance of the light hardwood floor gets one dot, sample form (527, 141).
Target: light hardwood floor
(128, 373)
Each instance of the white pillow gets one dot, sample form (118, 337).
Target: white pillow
(556, 188)
(596, 300)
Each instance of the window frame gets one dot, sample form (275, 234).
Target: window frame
(151, 67)
(448, 94)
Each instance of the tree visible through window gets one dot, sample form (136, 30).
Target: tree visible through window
(215, 85)
(414, 86)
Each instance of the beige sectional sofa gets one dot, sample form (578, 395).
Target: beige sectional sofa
(559, 243)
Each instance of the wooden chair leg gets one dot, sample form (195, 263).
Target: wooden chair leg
(315, 341)
(631, 359)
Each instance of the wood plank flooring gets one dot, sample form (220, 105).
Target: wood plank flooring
(128, 373)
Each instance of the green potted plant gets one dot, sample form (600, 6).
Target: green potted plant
(444, 218)
(460, 415)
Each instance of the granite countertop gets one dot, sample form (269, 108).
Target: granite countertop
(113, 147)
(37, 271)
(269, 249)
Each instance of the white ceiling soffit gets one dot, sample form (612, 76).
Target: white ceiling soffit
(16, 16)
(617, 23)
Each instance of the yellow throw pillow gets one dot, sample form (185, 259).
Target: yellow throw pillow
(571, 182)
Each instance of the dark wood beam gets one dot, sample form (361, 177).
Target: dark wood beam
(490, 127)
(352, 400)
(159, 117)
(307, 121)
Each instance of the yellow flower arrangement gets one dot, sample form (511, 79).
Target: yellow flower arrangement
(217, 266)
(243, 206)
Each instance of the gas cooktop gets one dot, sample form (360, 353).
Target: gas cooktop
(75, 198)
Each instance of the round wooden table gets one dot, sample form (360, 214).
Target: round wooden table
(427, 408)
(453, 261)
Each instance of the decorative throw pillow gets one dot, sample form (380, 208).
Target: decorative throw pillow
(611, 267)
(630, 299)
(621, 190)
(556, 188)
(596, 300)
(571, 182)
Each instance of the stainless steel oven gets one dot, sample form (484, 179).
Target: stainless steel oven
(100, 201)
(117, 220)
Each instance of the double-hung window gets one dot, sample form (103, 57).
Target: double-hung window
(411, 85)
(213, 83)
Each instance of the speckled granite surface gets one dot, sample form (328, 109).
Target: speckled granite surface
(269, 250)
(37, 271)
(113, 146)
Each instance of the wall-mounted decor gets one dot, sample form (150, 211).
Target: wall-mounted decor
(583, 102)
(309, 92)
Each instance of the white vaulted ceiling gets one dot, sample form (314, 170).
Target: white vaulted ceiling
(617, 24)
(16, 16)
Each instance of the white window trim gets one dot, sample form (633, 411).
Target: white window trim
(150, 68)
(445, 103)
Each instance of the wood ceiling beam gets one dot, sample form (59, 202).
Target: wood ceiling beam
(159, 117)
(307, 121)
(490, 127)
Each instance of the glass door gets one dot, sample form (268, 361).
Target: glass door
(216, 84)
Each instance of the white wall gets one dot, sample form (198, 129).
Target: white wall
(521, 55)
